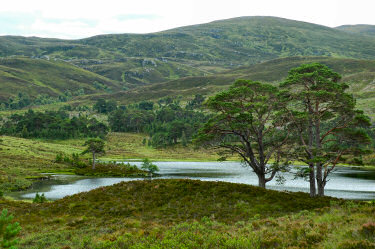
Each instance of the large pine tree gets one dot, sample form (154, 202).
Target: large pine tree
(327, 125)
(247, 123)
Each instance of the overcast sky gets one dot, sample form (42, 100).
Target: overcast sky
(73, 19)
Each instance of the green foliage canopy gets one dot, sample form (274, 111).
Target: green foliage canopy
(166, 125)
(94, 146)
(105, 106)
(149, 166)
(248, 123)
(325, 121)
(52, 124)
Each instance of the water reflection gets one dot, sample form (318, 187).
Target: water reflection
(346, 183)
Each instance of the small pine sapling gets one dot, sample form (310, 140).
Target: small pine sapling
(149, 166)
(39, 198)
(8, 231)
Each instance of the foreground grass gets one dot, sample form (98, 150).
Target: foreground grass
(193, 214)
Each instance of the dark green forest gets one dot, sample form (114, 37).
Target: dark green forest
(52, 125)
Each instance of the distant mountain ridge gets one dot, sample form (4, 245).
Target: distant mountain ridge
(362, 29)
(202, 58)
(195, 50)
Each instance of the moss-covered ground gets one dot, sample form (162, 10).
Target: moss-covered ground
(193, 214)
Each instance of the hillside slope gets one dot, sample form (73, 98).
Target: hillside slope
(195, 50)
(140, 71)
(362, 29)
(360, 74)
(37, 76)
(245, 40)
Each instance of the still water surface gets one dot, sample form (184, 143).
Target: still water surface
(345, 182)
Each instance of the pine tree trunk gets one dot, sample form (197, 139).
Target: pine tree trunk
(319, 167)
(319, 179)
(311, 165)
(93, 160)
(321, 189)
(262, 181)
(312, 181)
(321, 184)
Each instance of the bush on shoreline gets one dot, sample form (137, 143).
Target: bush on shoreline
(111, 169)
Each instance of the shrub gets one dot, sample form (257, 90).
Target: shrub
(149, 166)
(74, 160)
(8, 230)
(39, 198)
(368, 229)
(111, 169)
(59, 158)
(270, 242)
(361, 244)
(314, 237)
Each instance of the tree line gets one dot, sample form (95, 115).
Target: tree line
(308, 118)
(52, 125)
(22, 99)
(168, 124)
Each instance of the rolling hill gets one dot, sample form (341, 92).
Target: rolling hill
(141, 71)
(37, 76)
(361, 29)
(195, 50)
(359, 74)
(184, 61)
(244, 40)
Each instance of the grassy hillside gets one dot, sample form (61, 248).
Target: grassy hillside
(39, 47)
(360, 74)
(38, 76)
(184, 214)
(359, 29)
(140, 71)
(195, 50)
(237, 41)
(22, 160)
